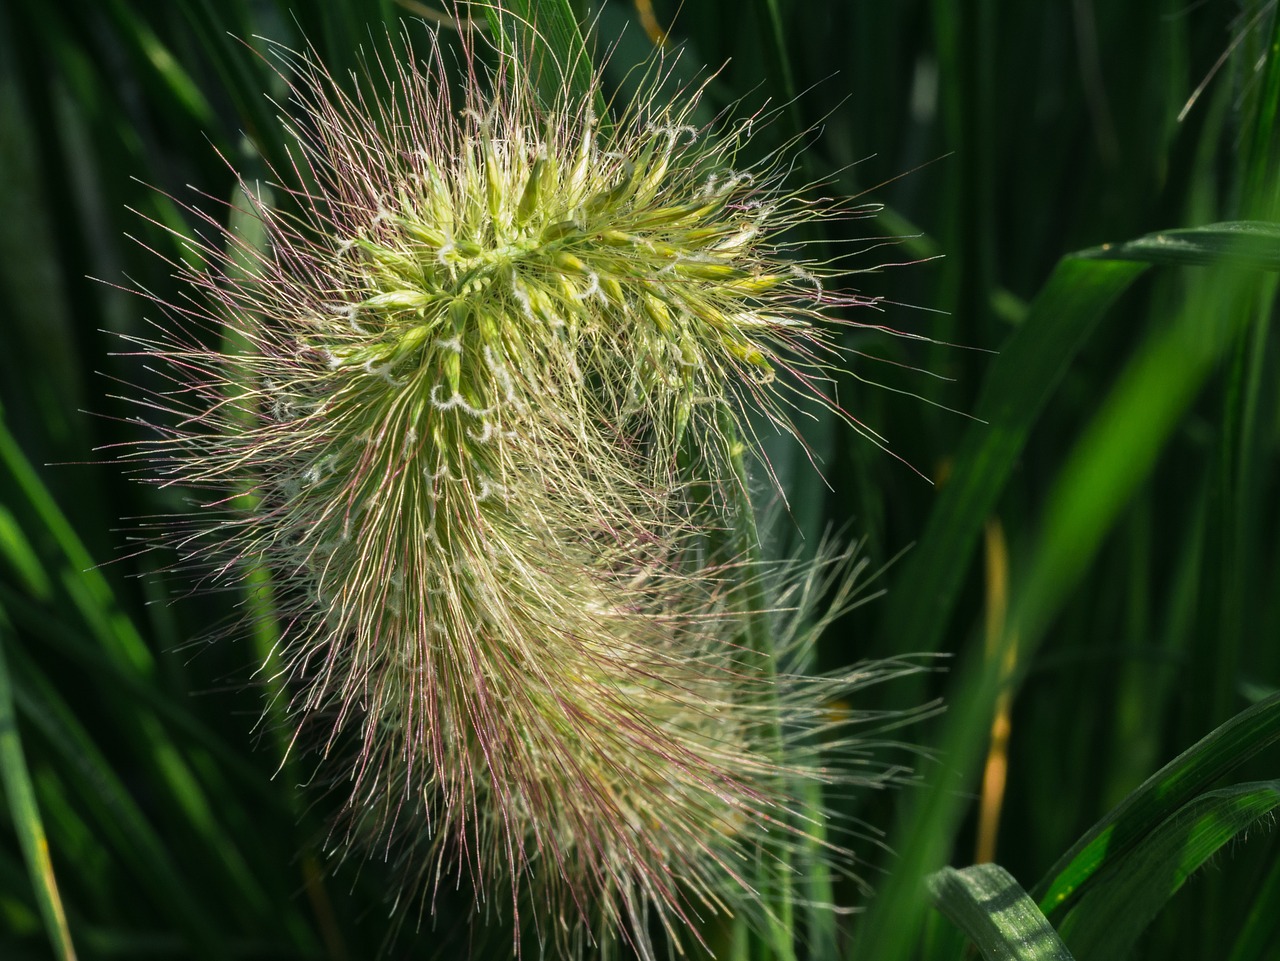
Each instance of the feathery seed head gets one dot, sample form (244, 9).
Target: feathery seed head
(504, 248)
(473, 345)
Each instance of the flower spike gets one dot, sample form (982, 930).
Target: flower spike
(475, 343)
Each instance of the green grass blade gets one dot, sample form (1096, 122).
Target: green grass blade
(1119, 449)
(991, 907)
(21, 557)
(89, 588)
(20, 793)
(548, 28)
(1108, 919)
(1261, 929)
(245, 79)
(1157, 799)
(1245, 243)
(117, 817)
(1115, 455)
(1261, 148)
(771, 13)
(1022, 378)
(167, 68)
(1021, 381)
(92, 597)
(773, 868)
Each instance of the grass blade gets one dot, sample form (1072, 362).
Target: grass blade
(1119, 449)
(1107, 920)
(1157, 800)
(25, 814)
(548, 28)
(1245, 243)
(997, 914)
(1022, 379)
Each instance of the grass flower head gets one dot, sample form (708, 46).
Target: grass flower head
(477, 338)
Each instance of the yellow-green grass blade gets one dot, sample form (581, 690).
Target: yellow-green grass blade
(21, 559)
(79, 575)
(993, 909)
(109, 639)
(25, 813)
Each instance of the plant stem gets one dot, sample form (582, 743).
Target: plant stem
(773, 869)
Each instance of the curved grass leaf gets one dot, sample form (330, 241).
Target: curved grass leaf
(1114, 456)
(1020, 383)
(996, 913)
(1158, 799)
(1245, 243)
(1022, 379)
(1127, 894)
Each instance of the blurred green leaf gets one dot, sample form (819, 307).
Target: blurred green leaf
(166, 66)
(21, 557)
